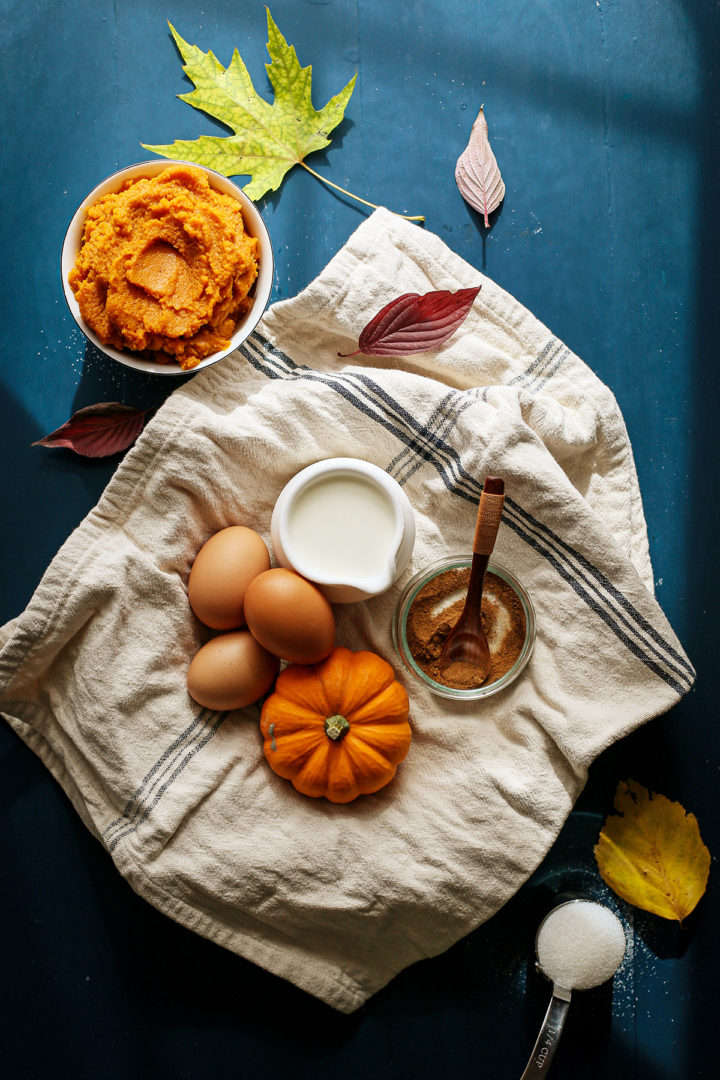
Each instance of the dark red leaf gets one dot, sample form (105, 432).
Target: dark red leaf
(415, 323)
(98, 430)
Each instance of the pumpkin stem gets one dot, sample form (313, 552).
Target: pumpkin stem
(336, 726)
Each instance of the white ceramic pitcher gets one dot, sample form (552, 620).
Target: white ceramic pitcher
(346, 525)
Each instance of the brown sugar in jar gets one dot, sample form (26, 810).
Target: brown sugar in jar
(437, 607)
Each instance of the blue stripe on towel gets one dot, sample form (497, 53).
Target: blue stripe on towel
(622, 629)
(441, 421)
(162, 774)
(543, 367)
(615, 596)
(365, 394)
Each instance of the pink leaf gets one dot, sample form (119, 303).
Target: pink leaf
(98, 430)
(477, 174)
(415, 323)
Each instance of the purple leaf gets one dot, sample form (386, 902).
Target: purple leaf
(415, 323)
(98, 430)
(477, 174)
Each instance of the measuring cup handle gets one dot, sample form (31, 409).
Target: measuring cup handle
(547, 1040)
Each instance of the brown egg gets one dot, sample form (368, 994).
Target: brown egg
(290, 616)
(223, 568)
(230, 671)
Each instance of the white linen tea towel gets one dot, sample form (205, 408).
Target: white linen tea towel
(338, 899)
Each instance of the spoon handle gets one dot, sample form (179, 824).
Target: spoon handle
(547, 1040)
(489, 514)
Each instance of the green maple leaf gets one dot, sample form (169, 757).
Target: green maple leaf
(269, 138)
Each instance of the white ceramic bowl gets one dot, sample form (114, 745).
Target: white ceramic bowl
(254, 225)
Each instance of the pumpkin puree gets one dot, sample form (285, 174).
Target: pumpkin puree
(165, 267)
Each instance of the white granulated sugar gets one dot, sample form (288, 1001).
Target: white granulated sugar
(580, 945)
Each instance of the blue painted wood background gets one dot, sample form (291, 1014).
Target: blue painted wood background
(604, 118)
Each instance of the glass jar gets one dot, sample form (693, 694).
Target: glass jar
(400, 640)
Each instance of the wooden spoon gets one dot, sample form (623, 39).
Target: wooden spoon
(466, 642)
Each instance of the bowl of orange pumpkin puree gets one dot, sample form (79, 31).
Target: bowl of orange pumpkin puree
(167, 267)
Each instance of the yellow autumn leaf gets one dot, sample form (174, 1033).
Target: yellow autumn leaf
(651, 853)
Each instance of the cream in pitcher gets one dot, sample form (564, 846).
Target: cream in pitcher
(345, 524)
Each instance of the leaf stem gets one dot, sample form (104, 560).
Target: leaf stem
(408, 217)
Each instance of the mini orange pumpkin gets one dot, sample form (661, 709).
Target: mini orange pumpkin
(339, 728)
